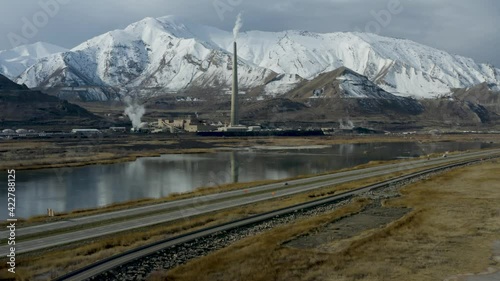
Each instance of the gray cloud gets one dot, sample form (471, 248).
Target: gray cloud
(464, 27)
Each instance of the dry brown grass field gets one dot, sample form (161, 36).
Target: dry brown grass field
(451, 230)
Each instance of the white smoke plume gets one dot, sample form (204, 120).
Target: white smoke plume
(237, 26)
(346, 124)
(135, 112)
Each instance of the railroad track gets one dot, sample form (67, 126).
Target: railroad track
(148, 250)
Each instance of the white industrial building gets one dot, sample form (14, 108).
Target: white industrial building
(188, 125)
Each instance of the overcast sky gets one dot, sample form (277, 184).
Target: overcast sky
(464, 27)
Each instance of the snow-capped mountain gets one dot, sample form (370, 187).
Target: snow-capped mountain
(15, 61)
(402, 67)
(173, 54)
(152, 53)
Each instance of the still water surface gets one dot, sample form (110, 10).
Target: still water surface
(100, 185)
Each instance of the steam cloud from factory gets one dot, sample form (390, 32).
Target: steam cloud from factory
(346, 124)
(135, 112)
(237, 26)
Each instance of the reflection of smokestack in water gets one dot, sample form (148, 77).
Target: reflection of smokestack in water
(235, 168)
(234, 100)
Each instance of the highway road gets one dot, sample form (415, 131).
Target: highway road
(205, 204)
(148, 251)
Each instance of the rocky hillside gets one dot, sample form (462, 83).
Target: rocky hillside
(351, 92)
(487, 95)
(20, 106)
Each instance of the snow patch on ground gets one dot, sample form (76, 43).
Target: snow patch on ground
(281, 85)
(353, 86)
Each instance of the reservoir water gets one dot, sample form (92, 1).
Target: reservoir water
(69, 189)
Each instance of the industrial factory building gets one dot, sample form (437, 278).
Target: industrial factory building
(191, 125)
(194, 125)
(118, 129)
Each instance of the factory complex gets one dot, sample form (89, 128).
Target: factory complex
(186, 124)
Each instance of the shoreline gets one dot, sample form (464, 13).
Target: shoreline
(103, 161)
(200, 191)
(108, 154)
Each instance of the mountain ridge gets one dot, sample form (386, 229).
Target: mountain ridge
(15, 61)
(173, 54)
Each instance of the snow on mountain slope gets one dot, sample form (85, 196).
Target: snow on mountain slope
(281, 84)
(15, 61)
(174, 54)
(151, 53)
(355, 86)
(354, 94)
(399, 66)
(341, 83)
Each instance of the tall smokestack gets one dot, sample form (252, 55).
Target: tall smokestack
(235, 121)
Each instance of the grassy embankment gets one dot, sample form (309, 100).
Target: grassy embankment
(454, 223)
